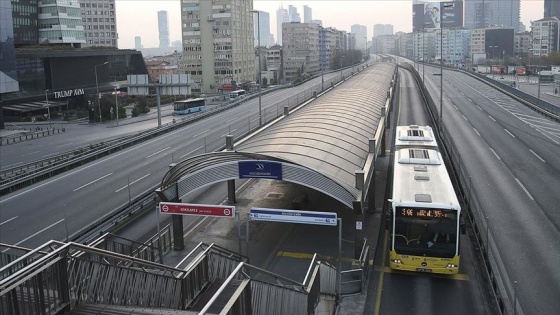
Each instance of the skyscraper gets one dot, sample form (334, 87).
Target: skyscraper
(137, 42)
(100, 22)
(552, 8)
(163, 29)
(282, 16)
(360, 32)
(261, 22)
(60, 23)
(486, 13)
(382, 29)
(217, 43)
(307, 14)
(294, 15)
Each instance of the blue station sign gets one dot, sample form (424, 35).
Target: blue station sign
(294, 216)
(260, 169)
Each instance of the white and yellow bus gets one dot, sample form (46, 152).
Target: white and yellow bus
(425, 212)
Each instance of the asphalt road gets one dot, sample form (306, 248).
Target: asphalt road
(64, 204)
(395, 292)
(511, 154)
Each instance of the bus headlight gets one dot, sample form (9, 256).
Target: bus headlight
(451, 266)
(396, 261)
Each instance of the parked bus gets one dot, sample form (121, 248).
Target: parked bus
(425, 212)
(188, 106)
(237, 94)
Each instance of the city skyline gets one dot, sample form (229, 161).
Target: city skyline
(366, 12)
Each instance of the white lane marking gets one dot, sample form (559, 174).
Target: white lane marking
(41, 231)
(492, 118)
(9, 220)
(479, 107)
(455, 107)
(465, 117)
(200, 133)
(64, 145)
(191, 151)
(100, 178)
(540, 158)
(125, 186)
(469, 99)
(149, 156)
(511, 134)
(525, 189)
(476, 132)
(31, 153)
(496, 154)
(234, 118)
(12, 165)
(112, 156)
(462, 93)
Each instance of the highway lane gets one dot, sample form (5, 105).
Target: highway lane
(511, 154)
(77, 136)
(415, 293)
(72, 200)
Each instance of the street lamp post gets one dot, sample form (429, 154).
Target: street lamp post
(117, 106)
(259, 56)
(48, 107)
(450, 5)
(97, 88)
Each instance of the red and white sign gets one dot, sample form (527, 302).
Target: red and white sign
(197, 209)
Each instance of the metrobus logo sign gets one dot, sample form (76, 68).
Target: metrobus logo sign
(197, 209)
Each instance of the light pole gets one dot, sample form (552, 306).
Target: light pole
(48, 107)
(97, 88)
(259, 56)
(116, 106)
(450, 5)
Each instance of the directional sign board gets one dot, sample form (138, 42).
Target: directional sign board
(293, 216)
(197, 209)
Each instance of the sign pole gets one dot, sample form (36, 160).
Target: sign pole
(238, 231)
(247, 235)
(160, 245)
(339, 256)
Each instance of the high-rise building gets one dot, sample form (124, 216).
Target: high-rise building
(382, 29)
(492, 13)
(360, 32)
(307, 14)
(261, 22)
(282, 16)
(60, 23)
(552, 8)
(99, 19)
(217, 43)
(294, 15)
(301, 49)
(8, 75)
(163, 29)
(137, 42)
(25, 30)
(546, 32)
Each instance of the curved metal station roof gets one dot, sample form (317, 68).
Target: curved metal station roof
(321, 144)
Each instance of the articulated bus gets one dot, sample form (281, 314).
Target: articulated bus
(425, 212)
(192, 105)
(237, 94)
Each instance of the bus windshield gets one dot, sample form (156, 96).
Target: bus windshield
(421, 231)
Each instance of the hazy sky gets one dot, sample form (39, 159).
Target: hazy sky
(139, 17)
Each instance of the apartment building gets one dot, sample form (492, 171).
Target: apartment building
(300, 42)
(99, 20)
(217, 43)
(545, 38)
